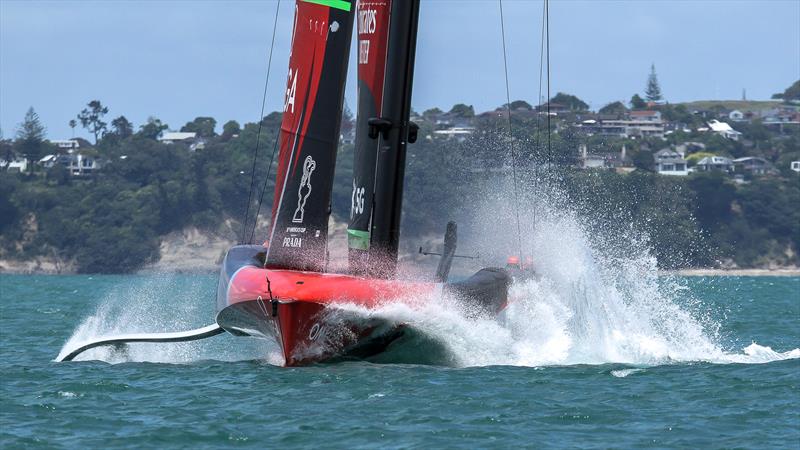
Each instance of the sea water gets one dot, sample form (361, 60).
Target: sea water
(577, 361)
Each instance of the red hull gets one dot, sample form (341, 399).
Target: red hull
(311, 315)
(319, 316)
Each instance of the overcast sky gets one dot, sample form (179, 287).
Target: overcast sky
(180, 59)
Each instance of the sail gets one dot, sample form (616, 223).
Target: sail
(373, 30)
(309, 134)
(393, 131)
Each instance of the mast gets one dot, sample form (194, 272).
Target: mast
(309, 134)
(393, 131)
(372, 21)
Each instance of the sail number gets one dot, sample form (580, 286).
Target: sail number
(363, 51)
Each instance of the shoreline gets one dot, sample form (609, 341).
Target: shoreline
(37, 268)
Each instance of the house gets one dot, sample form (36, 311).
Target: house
(459, 133)
(690, 147)
(645, 116)
(715, 164)
(17, 164)
(795, 165)
(67, 145)
(736, 115)
(191, 139)
(724, 130)
(75, 163)
(605, 160)
(670, 161)
(48, 161)
(753, 164)
(79, 164)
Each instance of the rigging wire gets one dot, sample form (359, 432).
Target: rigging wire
(510, 130)
(264, 186)
(258, 136)
(538, 143)
(549, 130)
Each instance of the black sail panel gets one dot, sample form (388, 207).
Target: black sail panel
(309, 134)
(372, 23)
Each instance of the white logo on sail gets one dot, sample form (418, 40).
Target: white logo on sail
(357, 200)
(304, 190)
(291, 90)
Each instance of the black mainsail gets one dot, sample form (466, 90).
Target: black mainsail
(387, 134)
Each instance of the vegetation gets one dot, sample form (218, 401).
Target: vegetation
(114, 220)
(653, 91)
(572, 102)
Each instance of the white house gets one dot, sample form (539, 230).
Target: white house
(724, 130)
(66, 144)
(795, 165)
(715, 163)
(18, 164)
(736, 115)
(185, 137)
(669, 161)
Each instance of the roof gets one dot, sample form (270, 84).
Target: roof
(178, 136)
(644, 113)
(750, 158)
(715, 160)
(719, 127)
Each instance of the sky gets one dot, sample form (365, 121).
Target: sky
(177, 60)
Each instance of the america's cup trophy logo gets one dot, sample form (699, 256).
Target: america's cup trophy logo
(304, 190)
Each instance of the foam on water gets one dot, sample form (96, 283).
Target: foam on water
(158, 304)
(598, 299)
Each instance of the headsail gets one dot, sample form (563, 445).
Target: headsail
(373, 31)
(310, 134)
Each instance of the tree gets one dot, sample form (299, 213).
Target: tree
(637, 102)
(791, 94)
(203, 126)
(30, 136)
(613, 108)
(570, 101)
(122, 127)
(153, 128)
(462, 110)
(520, 104)
(73, 124)
(92, 118)
(230, 129)
(643, 160)
(431, 113)
(653, 90)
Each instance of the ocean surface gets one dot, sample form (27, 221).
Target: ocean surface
(641, 361)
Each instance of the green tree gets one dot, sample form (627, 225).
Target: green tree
(613, 108)
(570, 101)
(203, 126)
(122, 127)
(653, 91)
(462, 110)
(230, 129)
(92, 118)
(792, 93)
(520, 104)
(30, 136)
(72, 124)
(152, 129)
(430, 113)
(643, 159)
(637, 102)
